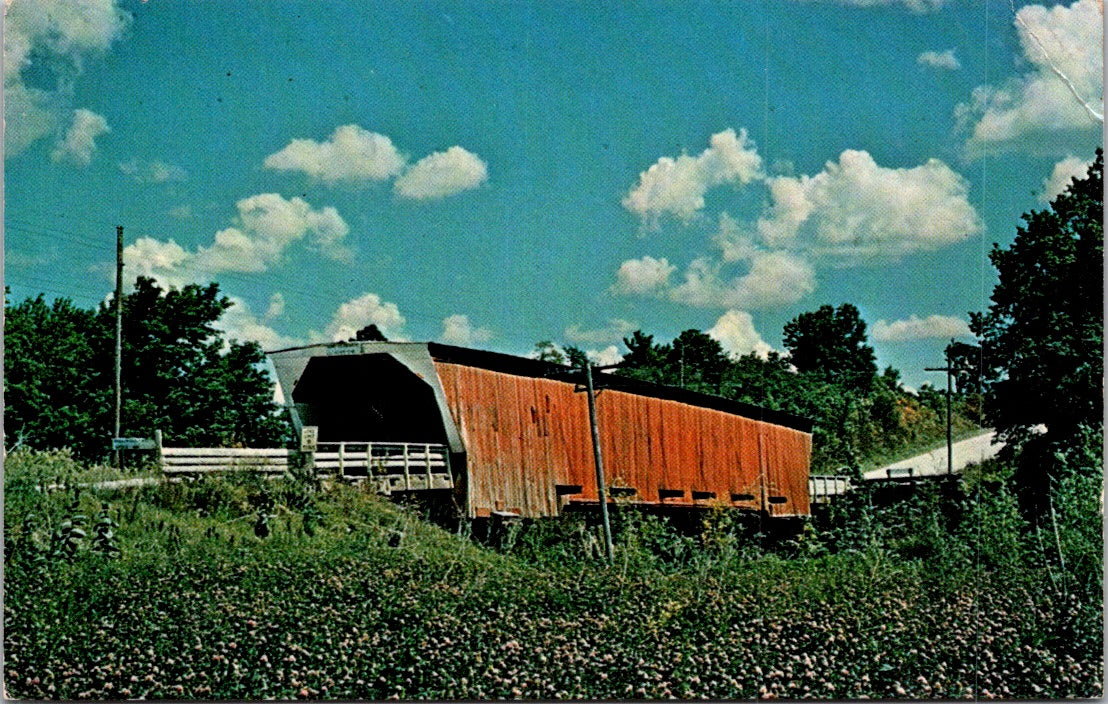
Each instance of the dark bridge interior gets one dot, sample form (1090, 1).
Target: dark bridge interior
(368, 398)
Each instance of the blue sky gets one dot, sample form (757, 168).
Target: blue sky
(494, 174)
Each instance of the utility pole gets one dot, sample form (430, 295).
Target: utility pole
(949, 415)
(601, 489)
(682, 366)
(118, 336)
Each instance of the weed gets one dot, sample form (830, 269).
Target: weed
(103, 539)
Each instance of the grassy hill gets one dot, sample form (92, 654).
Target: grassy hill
(348, 596)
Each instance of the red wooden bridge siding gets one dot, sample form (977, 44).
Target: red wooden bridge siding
(525, 436)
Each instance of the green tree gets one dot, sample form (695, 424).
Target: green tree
(547, 351)
(1042, 336)
(179, 374)
(769, 382)
(696, 361)
(645, 359)
(54, 396)
(830, 343)
(576, 357)
(965, 360)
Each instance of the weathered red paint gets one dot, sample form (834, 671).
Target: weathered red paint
(525, 436)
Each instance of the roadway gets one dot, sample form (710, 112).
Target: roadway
(965, 452)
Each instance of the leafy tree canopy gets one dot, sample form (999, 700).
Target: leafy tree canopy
(1043, 333)
(699, 361)
(547, 351)
(576, 357)
(645, 359)
(179, 374)
(693, 360)
(53, 395)
(831, 344)
(370, 333)
(1042, 336)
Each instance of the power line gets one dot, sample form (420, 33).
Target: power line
(97, 248)
(57, 238)
(61, 288)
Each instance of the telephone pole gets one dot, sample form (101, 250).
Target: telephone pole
(118, 335)
(601, 490)
(949, 415)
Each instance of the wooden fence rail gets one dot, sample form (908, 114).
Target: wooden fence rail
(822, 488)
(391, 466)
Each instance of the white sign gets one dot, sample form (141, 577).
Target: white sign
(309, 435)
(133, 444)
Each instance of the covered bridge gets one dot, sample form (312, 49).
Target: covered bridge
(517, 435)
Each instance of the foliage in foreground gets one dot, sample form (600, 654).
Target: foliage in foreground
(372, 603)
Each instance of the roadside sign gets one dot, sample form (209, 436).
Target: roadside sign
(308, 437)
(133, 444)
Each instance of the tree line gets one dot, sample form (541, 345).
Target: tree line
(828, 374)
(1035, 373)
(179, 374)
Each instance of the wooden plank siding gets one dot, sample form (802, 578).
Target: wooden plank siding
(525, 435)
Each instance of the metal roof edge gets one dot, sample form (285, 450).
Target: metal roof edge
(342, 344)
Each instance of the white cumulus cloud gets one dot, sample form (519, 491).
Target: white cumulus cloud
(616, 329)
(369, 308)
(54, 39)
(916, 328)
(855, 208)
(351, 154)
(676, 186)
(735, 331)
(240, 323)
(852, 212)
(639, 276)
(152, 171)
(276, 307)
(79, 141)
(605, 356)
(1060, 177)
(267, 224)
(774, 278)
(162, 260)
(442, 174)
(1062, 89)
(735, 242)
(939, 59)
(458, 330)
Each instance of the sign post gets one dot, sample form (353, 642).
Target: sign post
(121, 444)
(309, 441)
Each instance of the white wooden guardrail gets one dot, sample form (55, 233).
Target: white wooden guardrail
(391, 466)
(822, 488)
(394, 466)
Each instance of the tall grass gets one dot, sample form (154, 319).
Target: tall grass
(351, 597)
